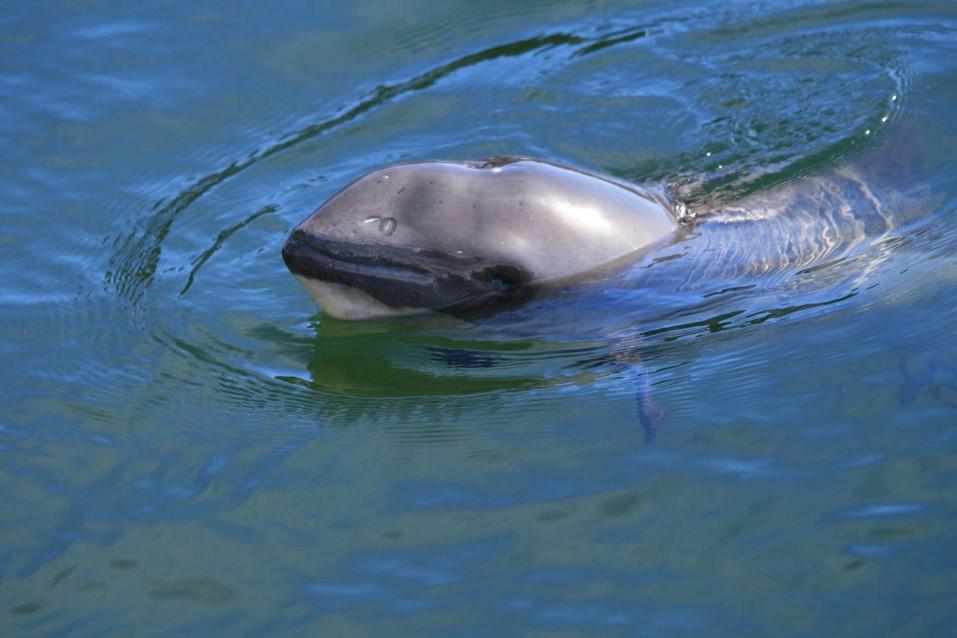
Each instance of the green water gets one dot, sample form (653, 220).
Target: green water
(189, 447)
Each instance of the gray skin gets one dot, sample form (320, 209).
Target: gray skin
(476, 237)
(462, 237)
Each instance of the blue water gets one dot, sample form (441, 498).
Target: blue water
(189, 447)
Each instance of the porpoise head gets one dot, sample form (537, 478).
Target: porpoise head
(455, 236)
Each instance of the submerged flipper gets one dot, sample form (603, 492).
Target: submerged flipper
(650, 414)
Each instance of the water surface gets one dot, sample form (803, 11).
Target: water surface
(190, 447)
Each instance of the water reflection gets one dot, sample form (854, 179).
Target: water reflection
(223, 461)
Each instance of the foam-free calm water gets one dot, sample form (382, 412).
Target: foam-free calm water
(189, 447)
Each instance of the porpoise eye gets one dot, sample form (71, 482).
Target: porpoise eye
(387, 225)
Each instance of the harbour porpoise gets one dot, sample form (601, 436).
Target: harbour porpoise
(461, 237)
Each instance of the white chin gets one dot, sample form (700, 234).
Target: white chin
(346, 302)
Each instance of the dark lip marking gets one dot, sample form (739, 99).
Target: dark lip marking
(339, 262)
(407, 278)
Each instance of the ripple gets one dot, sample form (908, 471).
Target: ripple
(599, 343)
(113, 30)
(221, 238)
(134, 265)
(882, 510)
(177, 422)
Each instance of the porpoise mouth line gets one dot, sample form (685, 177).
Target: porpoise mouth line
(399, 277)
(316, 258)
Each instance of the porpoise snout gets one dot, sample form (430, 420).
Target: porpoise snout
(295, 252)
